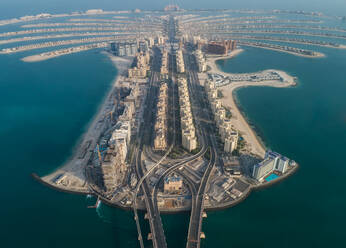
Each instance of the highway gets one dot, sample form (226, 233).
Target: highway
(158, 236)
(156, 228)
(206, 141)
(202, 113)
(195, 226)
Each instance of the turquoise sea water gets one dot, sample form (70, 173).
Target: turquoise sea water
(308, 124)
(46, 106)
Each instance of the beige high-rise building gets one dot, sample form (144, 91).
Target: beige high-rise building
(215, 104)
(189, 140)
(164, 63)
(200, 60)
(160, 140)
(208, 85)
(224, 128)
(231, 141)
(228, 136)
(142, 66)
(137, 72)
(114, 164)
(186, 122)
(151, 42)
(180, 61)
(220, 115)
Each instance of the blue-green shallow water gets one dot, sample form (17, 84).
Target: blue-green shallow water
(308, 124)
(45, 107)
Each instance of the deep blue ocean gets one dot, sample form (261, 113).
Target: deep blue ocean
(46, 106)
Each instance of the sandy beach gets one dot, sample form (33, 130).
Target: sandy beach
(71, 174)
(238, 121)
(212, 58)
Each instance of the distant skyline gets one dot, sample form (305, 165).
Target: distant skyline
(14, 8)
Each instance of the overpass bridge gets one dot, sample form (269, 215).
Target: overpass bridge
(197, 209)
(157, 232)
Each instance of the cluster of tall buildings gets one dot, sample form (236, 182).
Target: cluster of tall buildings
(229, 136)
(180, 61)
(221, 47)
(196, 40)
(131, 47)
(212, 47)
(114, 164)
(127, 48)
(200, 60)
(142, 66)
(160, 141)
(188, 131)
(160, 40)
(143, 46)
(164, 62)
(273, 161)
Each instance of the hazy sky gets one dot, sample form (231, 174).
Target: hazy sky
(12, 8)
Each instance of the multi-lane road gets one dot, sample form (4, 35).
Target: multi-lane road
(207, 144)
(202, 113)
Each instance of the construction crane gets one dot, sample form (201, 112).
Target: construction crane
(111, 114)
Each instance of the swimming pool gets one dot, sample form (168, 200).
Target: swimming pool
(271, 177)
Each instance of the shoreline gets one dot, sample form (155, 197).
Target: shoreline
(252, 126)
(317, 56)
(61, 52)
(226, 205)
(50, 44)
(228, 100)
(232, 54)
(341, 46)
(74, 167)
